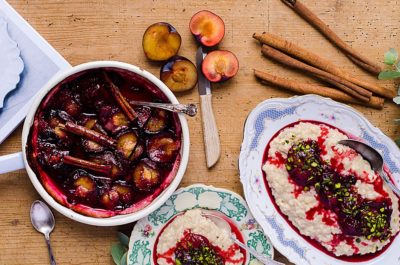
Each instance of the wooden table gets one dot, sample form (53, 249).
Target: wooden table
(84, 31)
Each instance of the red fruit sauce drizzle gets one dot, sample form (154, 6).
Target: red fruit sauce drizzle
(319, 209)
(226, 255)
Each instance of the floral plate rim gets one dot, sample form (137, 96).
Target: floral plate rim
(146, 229)
(280, 112)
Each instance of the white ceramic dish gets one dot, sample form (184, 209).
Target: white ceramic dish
(11, 64)
(267, 119)
(232, 205)
(119, 219)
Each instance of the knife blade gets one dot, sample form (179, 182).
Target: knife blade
(212, 144)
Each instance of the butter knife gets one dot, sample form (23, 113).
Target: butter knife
(210, 131)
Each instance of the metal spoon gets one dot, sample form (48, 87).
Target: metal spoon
(188, 109)
(43, 221)
(373, 157)
(224, 225)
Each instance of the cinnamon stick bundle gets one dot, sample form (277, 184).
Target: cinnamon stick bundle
(348, 87)
(304, 88)
(316, 22)
(319, 62)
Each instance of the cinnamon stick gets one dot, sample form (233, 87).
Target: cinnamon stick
(123, 103)
(348, 87)
(89, 134)
(304, 88)
(319, 62)
(316, 22)
(74, 161)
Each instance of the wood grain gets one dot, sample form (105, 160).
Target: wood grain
(212, 146)
(112, 30)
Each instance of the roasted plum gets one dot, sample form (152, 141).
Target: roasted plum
(179, 74)
(219, 66)
(162, 148)
(107, 156)
(126, 143)
(146, 175)
(113, 119)
(157, 122)
(207, 27)
(161, 41)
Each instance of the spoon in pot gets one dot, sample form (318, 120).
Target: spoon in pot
(374, 158)
(43, 221)
(224, 225)
(188, 109)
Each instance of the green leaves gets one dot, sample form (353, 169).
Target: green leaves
(119, 251)
(391, 57)
(387, 75)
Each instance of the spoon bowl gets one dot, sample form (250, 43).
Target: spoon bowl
(43, 221)
(374, 158)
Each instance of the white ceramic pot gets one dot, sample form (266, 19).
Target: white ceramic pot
(19, 160)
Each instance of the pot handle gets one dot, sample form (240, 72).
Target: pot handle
(11, 162)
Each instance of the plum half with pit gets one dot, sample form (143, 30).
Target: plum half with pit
(220, 65)
(207, 27)
(179, 74)
(161, 41)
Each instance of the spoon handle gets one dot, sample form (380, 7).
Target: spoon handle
(52, 260)
(385, 177)
(264, 259)
(188, 109)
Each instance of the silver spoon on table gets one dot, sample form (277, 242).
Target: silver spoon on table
(374, 158)
(188, 109)
(224, 225)
(43, 221)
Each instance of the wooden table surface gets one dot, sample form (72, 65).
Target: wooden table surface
(84, 31)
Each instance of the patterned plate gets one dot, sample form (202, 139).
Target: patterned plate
(11, 64)
(231, 204)
(263, 122)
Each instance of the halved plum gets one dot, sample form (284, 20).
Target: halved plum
(116, 197)
(146, 175)
(144, 114)
(179, 74)
(139, 150)
(207, 27)
(220, 65)
(162, 148)
(109, 159)
(161, 41)
(157, 121)
(84, 186)
(126, 143)
(113, 119)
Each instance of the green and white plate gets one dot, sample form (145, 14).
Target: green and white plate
(145, 232)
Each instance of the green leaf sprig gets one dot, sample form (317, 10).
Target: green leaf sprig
(119, 251)
(392, 61)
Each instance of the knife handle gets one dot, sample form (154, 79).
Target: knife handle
(210, 131)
